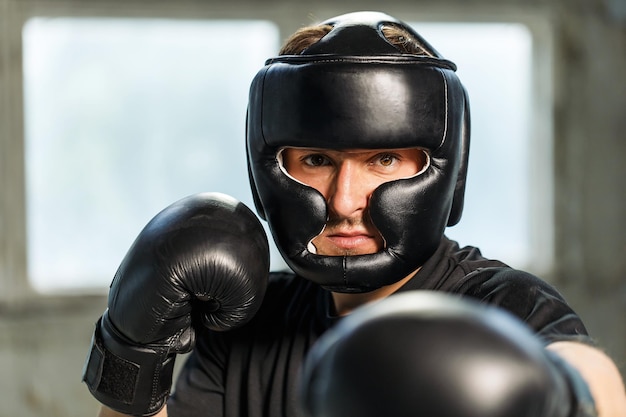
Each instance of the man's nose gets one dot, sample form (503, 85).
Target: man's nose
(349, 194)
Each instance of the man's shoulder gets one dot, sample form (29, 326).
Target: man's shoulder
(468, 271)
(464, 270)
(466, 258)
(450, 264)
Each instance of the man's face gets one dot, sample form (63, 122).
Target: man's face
(347, 179)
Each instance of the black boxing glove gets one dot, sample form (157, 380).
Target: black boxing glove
(428, 354)
(204, 259)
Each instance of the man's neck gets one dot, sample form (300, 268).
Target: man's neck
(344, 303)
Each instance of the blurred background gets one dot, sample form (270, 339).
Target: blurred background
(111, 110)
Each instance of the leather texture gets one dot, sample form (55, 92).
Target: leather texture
(365, 21)
(354, 90)
(432, 354)
(207, 251)
(203, 261)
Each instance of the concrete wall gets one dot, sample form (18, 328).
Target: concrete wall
(590, 151)
(44, 340)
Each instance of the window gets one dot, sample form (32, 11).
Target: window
(124, 117)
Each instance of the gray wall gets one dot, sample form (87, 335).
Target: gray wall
(590, 168)
(43, 341)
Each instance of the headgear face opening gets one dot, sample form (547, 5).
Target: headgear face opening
(354, 90)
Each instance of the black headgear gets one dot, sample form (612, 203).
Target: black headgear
(355, 90)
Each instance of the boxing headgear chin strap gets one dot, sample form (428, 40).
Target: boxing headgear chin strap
(354, 90)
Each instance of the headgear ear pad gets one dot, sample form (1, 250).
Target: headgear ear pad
(388, 100)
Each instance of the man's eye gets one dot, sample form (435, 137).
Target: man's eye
(315, 160)
(387, 160)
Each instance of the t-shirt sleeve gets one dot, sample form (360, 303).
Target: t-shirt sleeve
(531, 299)
(199, 388)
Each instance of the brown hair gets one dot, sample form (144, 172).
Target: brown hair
(304, 37)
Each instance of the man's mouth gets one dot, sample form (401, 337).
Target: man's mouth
(349, 240)
(346, 238)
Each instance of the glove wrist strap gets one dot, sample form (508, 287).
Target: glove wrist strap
(127, 378)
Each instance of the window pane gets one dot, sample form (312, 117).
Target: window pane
(123, 117)
(495, 65)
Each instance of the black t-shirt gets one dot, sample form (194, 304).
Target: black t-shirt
(252, 371)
